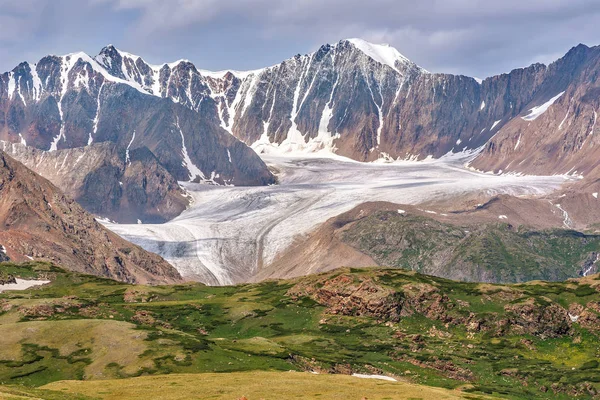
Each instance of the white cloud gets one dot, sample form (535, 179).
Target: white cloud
(474, 37)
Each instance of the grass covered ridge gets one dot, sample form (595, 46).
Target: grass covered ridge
(485, 252)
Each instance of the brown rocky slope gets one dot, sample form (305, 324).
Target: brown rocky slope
(39, 222)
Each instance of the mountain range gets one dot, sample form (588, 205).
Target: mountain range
(353, 98)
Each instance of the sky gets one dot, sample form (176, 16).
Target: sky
(471, 37)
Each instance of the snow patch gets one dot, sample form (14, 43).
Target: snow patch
(566, 218)
(382, 377)
(382, 53)
(591, 267)
(502, 217)
(594, 124)
(97, 117)
(249, 95)
(12, 85)
(518, 142)
(563, 121)
(127, 161)
(37, 83)
(495, 124)
(573, 318)
(539, 110)
(193, 171)
(22, 284)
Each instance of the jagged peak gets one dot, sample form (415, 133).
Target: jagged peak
(579, 49)
(96, 65)
(110, 50)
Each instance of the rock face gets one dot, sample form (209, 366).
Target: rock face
(38, 222)
(556, 132)
(100, 179)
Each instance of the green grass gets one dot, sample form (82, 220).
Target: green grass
(256, 385)
(81, 327)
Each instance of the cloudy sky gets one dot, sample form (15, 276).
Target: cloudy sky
(472, 37)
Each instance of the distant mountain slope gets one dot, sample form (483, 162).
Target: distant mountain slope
(505, 240)
(557, 133)
(355, 98)
(72, 101)
(38, 222)
(100, 179)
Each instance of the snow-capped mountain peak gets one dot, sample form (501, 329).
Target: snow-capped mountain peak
(382, 53)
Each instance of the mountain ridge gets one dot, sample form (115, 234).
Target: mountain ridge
(355, 99)
(302, 103)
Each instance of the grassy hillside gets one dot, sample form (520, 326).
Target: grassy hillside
(255, 385)
(515, 341)
(490, 252)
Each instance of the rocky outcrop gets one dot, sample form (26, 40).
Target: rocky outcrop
(389, 299)
(6, 279)
(357, 295)
(544, 320)
(38, 222)
(345, 295)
